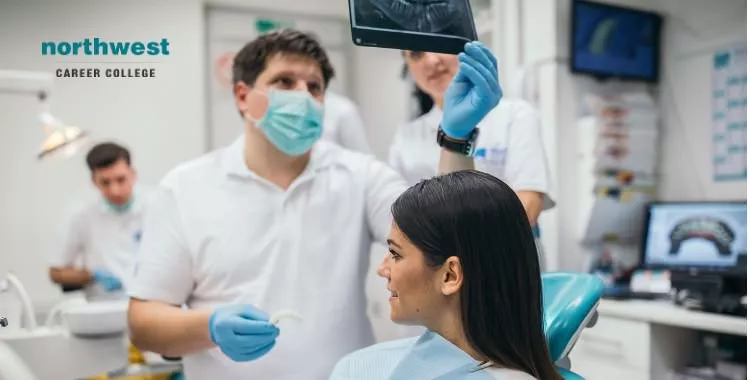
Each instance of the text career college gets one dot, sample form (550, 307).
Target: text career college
(106, 73)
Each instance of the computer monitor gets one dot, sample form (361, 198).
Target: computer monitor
(706, 236)
(613, 41)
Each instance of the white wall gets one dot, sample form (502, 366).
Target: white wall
(693, 28)
(160, 119)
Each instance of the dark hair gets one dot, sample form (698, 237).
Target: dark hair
(252, 59)
(106, 154)
(479, 219)
(424, 101)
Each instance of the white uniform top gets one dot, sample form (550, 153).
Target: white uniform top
(342, 123)
(97, 237)
(509, 147)
(217, 233)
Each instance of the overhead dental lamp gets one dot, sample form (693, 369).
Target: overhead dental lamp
(60, 139)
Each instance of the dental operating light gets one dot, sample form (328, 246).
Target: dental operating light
(60, 139)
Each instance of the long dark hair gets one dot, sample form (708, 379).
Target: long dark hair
(479, 219)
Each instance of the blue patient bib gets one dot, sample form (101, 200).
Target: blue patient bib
(433, 357)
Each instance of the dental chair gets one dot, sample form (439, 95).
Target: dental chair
(570, 301)
(12, 367)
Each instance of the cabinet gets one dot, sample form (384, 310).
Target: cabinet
(644, 340)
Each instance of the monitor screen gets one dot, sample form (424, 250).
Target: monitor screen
(438, 17)
(610, 41)
(695, 235)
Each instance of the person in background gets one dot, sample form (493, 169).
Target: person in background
(342, 123)
(279, 219)
(102, 236)
(509, 145)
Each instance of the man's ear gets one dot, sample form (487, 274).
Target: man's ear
(452, 276)
(249, 102)
(241, 91)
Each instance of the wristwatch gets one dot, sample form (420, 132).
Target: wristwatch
(462, 146)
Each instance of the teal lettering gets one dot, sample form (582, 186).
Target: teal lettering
(63, 48)
(119, 48)
(48, 48)
(87, 47)
(99, 46)
(153, 48)
(164, 46)
(137, 48)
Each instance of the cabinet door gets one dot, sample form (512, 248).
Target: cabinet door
(590, 369)
(615, 348)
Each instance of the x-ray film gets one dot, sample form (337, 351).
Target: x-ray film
(442, 26)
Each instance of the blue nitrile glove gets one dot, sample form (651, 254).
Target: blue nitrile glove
(473, 92)
(242, 332)
(107, 280)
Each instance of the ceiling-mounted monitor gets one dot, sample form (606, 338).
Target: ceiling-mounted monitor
(609, 41)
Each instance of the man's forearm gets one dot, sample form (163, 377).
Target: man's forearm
(453, 162)
(532, 202)
(168, 330)
(70, 276)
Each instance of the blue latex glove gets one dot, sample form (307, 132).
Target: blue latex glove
(242, 332)
(473, 92)
(107, 280)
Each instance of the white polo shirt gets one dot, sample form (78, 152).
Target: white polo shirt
(97, 237)
(217, 233)
(509, 146)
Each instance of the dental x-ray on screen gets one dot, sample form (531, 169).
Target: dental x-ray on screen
(709, 234)
(441, 26)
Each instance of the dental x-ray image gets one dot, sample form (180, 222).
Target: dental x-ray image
(425, 16)
(430, 24)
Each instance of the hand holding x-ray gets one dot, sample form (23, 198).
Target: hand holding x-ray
(473, 93)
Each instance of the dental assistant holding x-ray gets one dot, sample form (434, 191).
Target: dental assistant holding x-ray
(509, 145)
(279, 220)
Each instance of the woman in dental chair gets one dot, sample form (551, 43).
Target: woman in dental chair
(462, 262)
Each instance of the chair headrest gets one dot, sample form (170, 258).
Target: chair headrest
(570, 300)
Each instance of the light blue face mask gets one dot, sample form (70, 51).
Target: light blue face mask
(120, 209)
(293, 121)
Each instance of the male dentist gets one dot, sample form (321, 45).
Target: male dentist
(102, 236)
(277, 220)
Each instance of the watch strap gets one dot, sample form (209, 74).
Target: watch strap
(461, 146)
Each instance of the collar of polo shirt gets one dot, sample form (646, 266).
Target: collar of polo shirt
(233, 160)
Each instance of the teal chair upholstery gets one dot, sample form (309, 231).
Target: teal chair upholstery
(570, 301)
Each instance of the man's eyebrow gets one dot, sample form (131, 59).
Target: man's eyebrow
(393, 243)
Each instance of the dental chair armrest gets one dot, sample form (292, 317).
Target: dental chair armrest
(568, 375)
(563, 363)
(594, 319)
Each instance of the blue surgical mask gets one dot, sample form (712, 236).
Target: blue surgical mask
(120, 209)
(293, 121)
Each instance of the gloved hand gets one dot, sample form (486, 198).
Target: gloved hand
(107, 280)
(473, 92)
(242, 332)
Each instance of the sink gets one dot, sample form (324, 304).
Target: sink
(54, 353)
